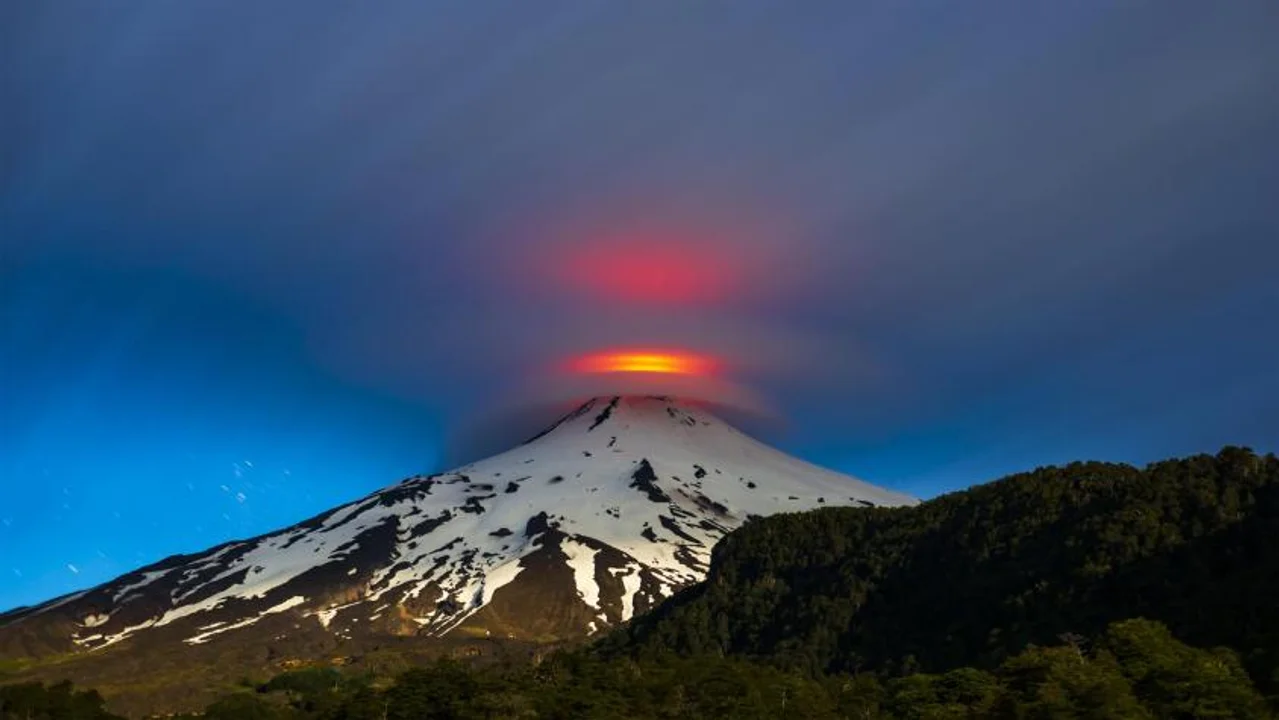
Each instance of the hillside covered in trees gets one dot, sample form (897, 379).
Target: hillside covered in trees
(1136, 669)
(974, 577)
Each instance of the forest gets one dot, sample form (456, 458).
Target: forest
(974, 577)
(1135, 669)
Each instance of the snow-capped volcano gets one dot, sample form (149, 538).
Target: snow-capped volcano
(609, 511)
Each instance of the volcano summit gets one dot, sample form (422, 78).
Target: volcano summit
(599, 518)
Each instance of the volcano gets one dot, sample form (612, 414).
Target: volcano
(599, 518)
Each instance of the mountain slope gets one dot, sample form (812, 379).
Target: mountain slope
(973, 577)
(613, 509)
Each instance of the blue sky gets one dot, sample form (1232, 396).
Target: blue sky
(259, 260)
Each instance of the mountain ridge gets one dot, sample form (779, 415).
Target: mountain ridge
(607, 512)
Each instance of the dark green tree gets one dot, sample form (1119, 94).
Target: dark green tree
(245, 706)
(1062, 682)
(60, 701)
(1178, 681)
(438, 692)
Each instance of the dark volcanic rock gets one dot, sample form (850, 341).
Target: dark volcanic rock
(645, 480)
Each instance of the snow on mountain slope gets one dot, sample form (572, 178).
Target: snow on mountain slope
(599, 518)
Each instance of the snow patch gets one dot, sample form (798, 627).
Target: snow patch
(581, 559)
(499, 577)
(147, 579)
(109, 640)
(289, 604)
(326, 615)
(631, 583)
(96, 620)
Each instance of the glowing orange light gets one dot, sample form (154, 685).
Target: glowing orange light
(667, 363)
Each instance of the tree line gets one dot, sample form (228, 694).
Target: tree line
(1136, 669)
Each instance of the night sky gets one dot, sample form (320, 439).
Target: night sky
(258, 259)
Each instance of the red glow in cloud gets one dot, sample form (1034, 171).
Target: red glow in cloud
(655, 252)
(644, 361)
(654, 270)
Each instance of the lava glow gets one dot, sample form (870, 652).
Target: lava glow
(652, 272)
(645, 361)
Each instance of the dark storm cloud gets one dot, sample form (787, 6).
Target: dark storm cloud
(990, 226)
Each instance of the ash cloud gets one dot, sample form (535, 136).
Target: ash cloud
(963, 233)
